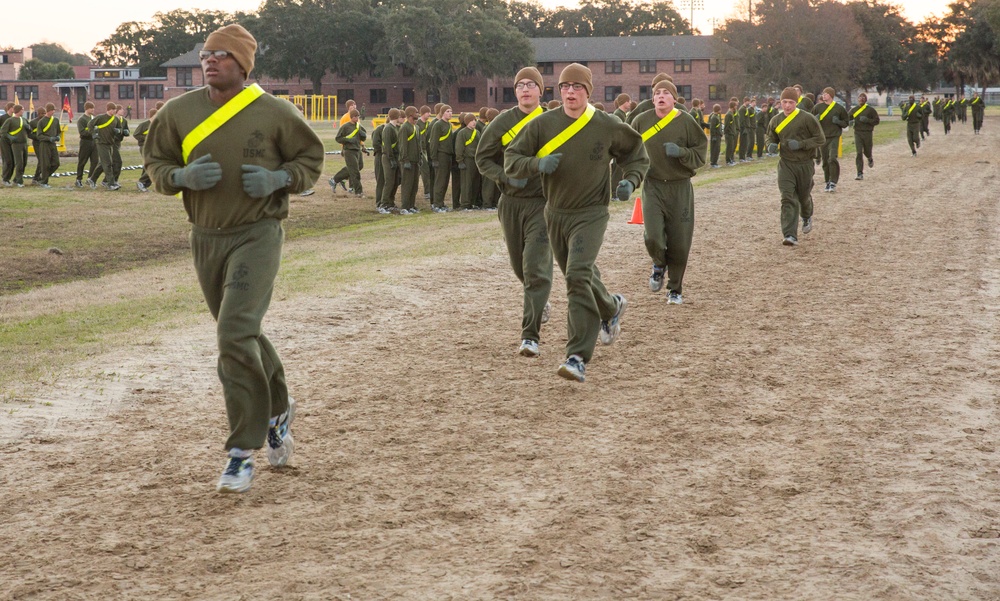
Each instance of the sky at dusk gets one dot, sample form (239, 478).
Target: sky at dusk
(79, 29)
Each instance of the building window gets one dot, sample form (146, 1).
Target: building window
(509, 96)
(408, 96)
(433, 98)
(280, 93)
(545, 68)
(682, 66)
(717, 92)
(548, 95)
(684, 92)
(3, 92)
(23, 93)
(185, 78)
(102, 92)
(377, 95)
(126, 92)
(611, 92)
(344, 95)
(467, 94)
(716, 65)
(647, 66)
(146, 90)
(644, 93)
(612, 66)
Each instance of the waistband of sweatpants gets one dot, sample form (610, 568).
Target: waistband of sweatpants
(236, 229)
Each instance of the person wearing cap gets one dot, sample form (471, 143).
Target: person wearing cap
(139, 134)
(761, 119)
(947, 116)
(865, 119)
(572, 148)
(348, 107)
(87, 156)
(798, 134)
(803, 101)
(390, 162)
(647, 104)
(731, 131)
(925, 121)
(409, 161)
(489, 192)
(623, 104)
(48, 153)
(377, 159)
(978, 109)
(121, 131)
(676, 146)
(351, 137)
(715, 135)
(913, 115)
(102, 128)
(833, 118)
(441, 147)
(747, 123)
(235, 183)
(15, 132)
(466, 143)
(424, 127)
(6, 154)
(521, 209)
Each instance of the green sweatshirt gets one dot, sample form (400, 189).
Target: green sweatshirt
(353, 142)
(140, 133)
(682, 130)
(83, 126)
(583, 178)
(831, 129)
(16, 124)
(48, 127)
(620, 114)
(466, 144)
(106, 134)
(864, 111)
(269, 132)
(916, 115)
(804, 128)
(425, 130)
(441, 139)
(642, 107)
(730, 123)
(489, 156)
(390, 142)
(715, 126)
(409, 143)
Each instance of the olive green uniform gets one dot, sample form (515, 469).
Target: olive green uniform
(441, 147)
(795, 167)
(466, 144)
(121, 132)
(747, 124)
(33, 138)
(409, 162)
(729, 127)
(715, 137)
(576, 211)
(15, 132)
(833, 122)
(521, 212)
(642, 107)
(6, 155)
(913, 115)
(390, 166)
(761, 118)
(427, 181)
(350, 136)
(139, 134)
(236, 239)
(925, 121)
(667, 193)
(978, 108)
(377, 158)
(865, 119)
(87, 159)
(102, 128)
(947, 115)
(47, 150)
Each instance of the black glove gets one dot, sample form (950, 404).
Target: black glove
(772, 148)
(793, 144)
(672, 149)
(200, 174)
(625, 189)
(548, 164)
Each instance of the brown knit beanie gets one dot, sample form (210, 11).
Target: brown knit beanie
(577, 73)
(789, 94)
(437, 108)
(663, 84)
(354, 113)
(424, 109)
(50, 107)
(622, 99)
(599, 106)
(468, 118)
(237, 41)
(394, 114)
(532, 74)
(491, 114)
(553, 105)
(411, 111)
(482, 112)
(830, 91)
(660, 77)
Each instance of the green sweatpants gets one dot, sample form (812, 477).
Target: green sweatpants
(105, 154)
(442, 173)
(379, 179)
(425, 176)
(730, 147)
(7, 157)
(668, 217)
(795, 183)
(913, 135)
(88, 154)
(522, 221)
(236, 268)
(391, 176)
(576, 237)
(471, 185)
(831, 164)
(863, 148)
(490, 193)
(19, 152)
(352, 163)
(48, 161)
(408, 189)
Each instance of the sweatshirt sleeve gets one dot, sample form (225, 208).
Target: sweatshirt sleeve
(490, 148)
(630, 154)
(519, 160)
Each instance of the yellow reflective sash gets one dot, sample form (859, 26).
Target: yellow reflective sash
(787, 120)
(108, 122)
(20, 120)
(652, 131)
(512, 132)
(353, 133)
(565, 135)
(912, 106)
(445, 136)
(858, 112)
(828, 109)
(51, 120)
(471, 138)
(411, 136)
(219, 118)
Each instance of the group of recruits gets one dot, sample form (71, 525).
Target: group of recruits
(917, 114)
(101, 137)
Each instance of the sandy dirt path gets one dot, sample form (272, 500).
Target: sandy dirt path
(813, 423)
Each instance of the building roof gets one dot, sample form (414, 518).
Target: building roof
(561, 50)
(188, 59)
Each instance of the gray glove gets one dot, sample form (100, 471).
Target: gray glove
(625, 189)
(117, 131)
(260, 182)
(772, 149)
(794, 144)
(407, 165)
(435, 164)
(461, 165)
(514, 182)
(54, 139)
(200, 174)
(839, 121)
(864, 119)
(672, 149)
(548, 164)
(393, 165)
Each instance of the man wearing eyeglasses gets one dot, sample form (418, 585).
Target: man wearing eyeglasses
(235, 154)
(571, 148)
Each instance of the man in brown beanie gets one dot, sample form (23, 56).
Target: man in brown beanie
(466, 144)
(48, 138)
(799, 135)
(409, 161)
(521, 208)
(235, 154)
(623, 104)
(390, 162)
(572, 148)
(833, 119)
(441, 149)
(913, 115)
(647, 104)
(865, 119)
(351, 136)
(424, 127)
(102, 128)
(489, 191)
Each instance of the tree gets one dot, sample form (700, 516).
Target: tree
(899, 59)
(55, 53)
(149, 45)
(442, 41)
(606, 18)
(975, 53)
(786, 42)
(34, 70)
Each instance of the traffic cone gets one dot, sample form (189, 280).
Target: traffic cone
(636, 212)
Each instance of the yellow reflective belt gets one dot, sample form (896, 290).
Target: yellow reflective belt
(565, 135)
(107, 123)
(20, 120)
(787, 120)
(652, 131)
(219, 118)
(471, 138)
(912, 106)
(860, 108)
(828, 109)
(512, 132)
(353, 133)
(51, 120)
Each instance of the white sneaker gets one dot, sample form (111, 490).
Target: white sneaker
(573, 368)
(674, 298)
(612, 328)
(547, 312)
(807, 224)
(529, 348)
(790, 241)
(238, 475)
(656, 279)
(280, 443)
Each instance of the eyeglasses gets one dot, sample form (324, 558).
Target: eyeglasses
(525, 85)
(576, 86)
(218, 54)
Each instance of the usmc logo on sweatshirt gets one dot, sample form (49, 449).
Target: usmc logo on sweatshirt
(597, 154)
(252, 150)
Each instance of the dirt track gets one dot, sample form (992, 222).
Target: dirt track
(813, 423)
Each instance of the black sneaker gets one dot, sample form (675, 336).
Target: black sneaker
(871, 163)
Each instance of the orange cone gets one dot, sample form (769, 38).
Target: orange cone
(636, 212)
